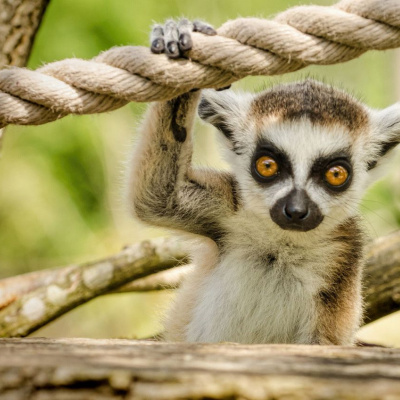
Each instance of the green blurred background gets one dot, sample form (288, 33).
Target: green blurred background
(61, 184)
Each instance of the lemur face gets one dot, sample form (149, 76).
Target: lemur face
(302, 153)
(300, 170)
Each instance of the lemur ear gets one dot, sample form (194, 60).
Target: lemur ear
(385, 133)
(226, 110)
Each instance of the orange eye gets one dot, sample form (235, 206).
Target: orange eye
(266, 166)
(336, 175)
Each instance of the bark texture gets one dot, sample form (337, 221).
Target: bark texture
(19, 22)
(70, 369)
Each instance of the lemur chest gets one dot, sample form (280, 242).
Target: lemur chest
(269, 298)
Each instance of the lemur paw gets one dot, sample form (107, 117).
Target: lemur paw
(174, 38)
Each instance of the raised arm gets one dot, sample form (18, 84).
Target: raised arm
(164, 189)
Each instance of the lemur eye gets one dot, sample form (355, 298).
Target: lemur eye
(336, 175)
(266, 166)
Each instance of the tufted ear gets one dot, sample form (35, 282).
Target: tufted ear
(227, 111)
(385, 134)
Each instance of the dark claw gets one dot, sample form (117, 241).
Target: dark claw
(173, 50)
(201, 27)
(223, 88)
(209, 31)
(158, 46)
(185, 42)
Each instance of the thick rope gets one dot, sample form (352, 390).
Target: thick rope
(247, 46)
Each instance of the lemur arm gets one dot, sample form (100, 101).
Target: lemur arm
(165, 189)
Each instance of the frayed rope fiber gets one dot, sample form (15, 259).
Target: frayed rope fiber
(294, 39)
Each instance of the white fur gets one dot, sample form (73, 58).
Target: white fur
(245, 299)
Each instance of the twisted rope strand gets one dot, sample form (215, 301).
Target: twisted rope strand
(296, 38)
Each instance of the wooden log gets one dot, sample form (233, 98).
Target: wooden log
(44, 369)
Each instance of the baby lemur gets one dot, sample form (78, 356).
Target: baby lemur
(281, 250)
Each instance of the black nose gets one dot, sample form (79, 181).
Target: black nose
(296, 211)
(296, 208)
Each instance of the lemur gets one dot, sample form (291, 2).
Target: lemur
(281, 252)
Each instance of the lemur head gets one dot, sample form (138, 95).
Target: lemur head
(302, 153)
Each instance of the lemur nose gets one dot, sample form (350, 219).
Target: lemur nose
(296, 208)
(295, 213)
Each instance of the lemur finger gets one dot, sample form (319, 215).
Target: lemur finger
(171, 38)
(199, 26)
(185, 28)
(157, 40)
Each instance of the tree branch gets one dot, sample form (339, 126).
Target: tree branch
(164, 280)
(71, 286)
(13, 288)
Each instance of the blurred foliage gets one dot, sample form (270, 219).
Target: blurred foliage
(61, 197)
